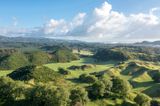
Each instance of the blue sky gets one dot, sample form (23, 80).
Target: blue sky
(32, 13)
(88, 20)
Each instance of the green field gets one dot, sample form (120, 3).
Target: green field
(4, 72)
(74, 74)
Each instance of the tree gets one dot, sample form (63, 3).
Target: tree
(78, 96)
(142, 100)
(156, 77)
(10, 91)
(155, 102)
(120, 87)
(48, 95)
(63, 71)
(97, 90)
(108, 86)
(87, 78)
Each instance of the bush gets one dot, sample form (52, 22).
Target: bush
(87, 78)
(156, 77)
(155, 102)
(120, 87)
(142, 100)
(108, 86)
(10, 91)
(96, 90)
(63, 71)
(78, 96)
(43, 95)
(83, 67)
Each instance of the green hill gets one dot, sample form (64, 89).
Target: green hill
(13, 61)
(109, 54)
(38, 57)
(64, 55)
(134, 69)
(37, 73)
(145, 77)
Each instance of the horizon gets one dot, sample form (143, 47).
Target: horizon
(92, 21)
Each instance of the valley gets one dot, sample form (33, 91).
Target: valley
(112, 76)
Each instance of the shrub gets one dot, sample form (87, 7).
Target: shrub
(43, 95)
(63, 71)
(97, 90)
(10, 91)
(142, 100)
(156, 77)
(78, 96)
(87, 78)
(108, 86)
(155, 102)
(120, 87)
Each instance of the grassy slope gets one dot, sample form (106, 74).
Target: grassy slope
(4, 72)
(75, 74)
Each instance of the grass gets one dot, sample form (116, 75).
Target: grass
(75, 73)
(4, 72)
(143, 78)
(105, 102)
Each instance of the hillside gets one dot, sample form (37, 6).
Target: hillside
(111, 76)
(36, 73)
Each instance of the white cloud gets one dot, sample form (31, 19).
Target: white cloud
(104, 24)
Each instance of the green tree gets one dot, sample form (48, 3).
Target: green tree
(120, 86)
(78, 96)
(87, 78)
(10, 91)
(142, 100)
(97, 90)
(108, 86)
(48, 95)
(156, 77)
(155, 102)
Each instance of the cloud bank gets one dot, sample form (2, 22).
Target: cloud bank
(102, 25)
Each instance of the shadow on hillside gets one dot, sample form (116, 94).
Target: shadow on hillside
(74, 80)
(153, 91)
(90, 60)
(141, 84)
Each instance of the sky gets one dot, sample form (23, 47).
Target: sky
(86, 20)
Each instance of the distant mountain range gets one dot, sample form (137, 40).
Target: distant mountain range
(50, 40)
(147, 43)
